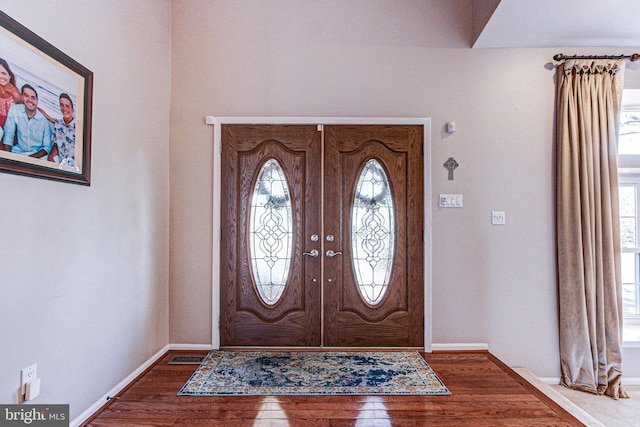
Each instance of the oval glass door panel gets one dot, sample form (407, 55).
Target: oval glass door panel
(271, 232)
(372, 232)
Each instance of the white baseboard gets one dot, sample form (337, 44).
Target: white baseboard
(122, 384)
(203, 347)
(459, 346)
(115, 390)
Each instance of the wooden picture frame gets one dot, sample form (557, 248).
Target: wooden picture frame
(61, 90)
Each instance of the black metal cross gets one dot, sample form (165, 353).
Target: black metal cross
(451, 164)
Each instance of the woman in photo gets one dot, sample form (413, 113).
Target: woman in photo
(9, 94)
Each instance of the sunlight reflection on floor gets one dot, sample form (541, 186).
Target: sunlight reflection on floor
(373, 413)
(270, 413)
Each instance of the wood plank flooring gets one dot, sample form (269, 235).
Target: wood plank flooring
(485, 392)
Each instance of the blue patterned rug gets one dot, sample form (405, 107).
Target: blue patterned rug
(251, 373)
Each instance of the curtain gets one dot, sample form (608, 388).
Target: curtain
(587, 225)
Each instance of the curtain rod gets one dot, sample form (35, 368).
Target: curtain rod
(561, 56)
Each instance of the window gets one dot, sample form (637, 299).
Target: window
(629, 193)
(629, 142)
(629, 236)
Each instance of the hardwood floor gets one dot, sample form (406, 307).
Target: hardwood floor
(485, 392)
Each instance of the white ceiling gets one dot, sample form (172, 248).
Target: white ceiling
(557, 23)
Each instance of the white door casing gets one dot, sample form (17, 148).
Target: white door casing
(216, 218)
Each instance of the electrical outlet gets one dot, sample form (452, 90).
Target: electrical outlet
(26, 375)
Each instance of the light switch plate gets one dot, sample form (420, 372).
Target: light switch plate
(450, 200)
(498, 218)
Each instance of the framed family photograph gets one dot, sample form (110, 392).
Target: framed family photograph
(45, 108)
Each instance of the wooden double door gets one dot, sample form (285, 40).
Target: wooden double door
(322, 236)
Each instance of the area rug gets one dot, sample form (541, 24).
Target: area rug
(252, 373)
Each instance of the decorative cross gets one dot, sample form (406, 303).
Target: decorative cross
(451, 164)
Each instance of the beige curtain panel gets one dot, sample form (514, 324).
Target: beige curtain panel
(587, 225)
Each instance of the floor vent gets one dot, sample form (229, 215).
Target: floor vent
(186, 360)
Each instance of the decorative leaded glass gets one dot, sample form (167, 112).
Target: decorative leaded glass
(270, 232)
(372, 232)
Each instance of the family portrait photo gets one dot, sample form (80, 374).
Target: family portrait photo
(45, 108)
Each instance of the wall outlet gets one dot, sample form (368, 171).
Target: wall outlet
(26, 375)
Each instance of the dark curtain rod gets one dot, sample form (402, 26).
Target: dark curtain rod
(634, 57)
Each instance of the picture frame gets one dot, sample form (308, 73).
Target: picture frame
(61, 90)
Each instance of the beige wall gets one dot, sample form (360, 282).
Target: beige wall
(491, 284)
(95, 280)
(84, 271)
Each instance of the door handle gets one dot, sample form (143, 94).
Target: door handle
(314, 253)
(332, 254)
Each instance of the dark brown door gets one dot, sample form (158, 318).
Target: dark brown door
(270, 291)
(353, 258)
(374, 290)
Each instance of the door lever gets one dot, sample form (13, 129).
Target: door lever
(331, 253)
(314, 253)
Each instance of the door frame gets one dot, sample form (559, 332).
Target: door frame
(217, 123)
